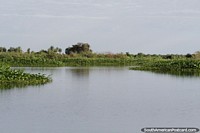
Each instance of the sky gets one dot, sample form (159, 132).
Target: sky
(147, 26)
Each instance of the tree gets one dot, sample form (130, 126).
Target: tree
(168, 56)
(18, 49)
(54, 50)
(28, 50)
(78, 48)
(128, 54)
(51, 49)
(3, 49)
(140, 54)
(188, 55)
(12, 49)
(59, 50)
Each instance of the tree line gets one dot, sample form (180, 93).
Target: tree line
(11, 49)
(83, 50)
(77, 48)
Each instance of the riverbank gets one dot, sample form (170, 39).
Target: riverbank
(52, 58)
(186, 67)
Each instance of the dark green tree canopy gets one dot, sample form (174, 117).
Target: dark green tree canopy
(55, 50)
(3, 49)
(78, 48)
(17, 49)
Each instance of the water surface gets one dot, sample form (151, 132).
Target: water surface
(100, 100)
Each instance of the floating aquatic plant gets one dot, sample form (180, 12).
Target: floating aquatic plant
(10, 78)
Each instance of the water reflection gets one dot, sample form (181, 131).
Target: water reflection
(7, 86)
(80, 72)
(79, 77)
(102, 99)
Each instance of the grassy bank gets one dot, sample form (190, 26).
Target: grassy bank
(83, 56)
(10, 78)
(187, 67)
(52, 59)
(56, 60)
(69, 62)
(166, 65)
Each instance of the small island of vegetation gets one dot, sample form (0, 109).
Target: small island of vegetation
(10, 78)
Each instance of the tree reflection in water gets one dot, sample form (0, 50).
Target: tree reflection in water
(80, 72)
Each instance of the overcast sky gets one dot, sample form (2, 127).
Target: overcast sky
(148, 26)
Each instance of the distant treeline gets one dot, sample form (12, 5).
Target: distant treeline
(77, 48)
(80, 54)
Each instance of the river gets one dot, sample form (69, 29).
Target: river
(100, 100)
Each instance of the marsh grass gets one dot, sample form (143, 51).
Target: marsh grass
(179, 67)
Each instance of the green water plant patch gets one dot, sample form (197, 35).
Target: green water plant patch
(18, 78)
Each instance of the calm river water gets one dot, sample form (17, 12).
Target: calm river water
(101, 100)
